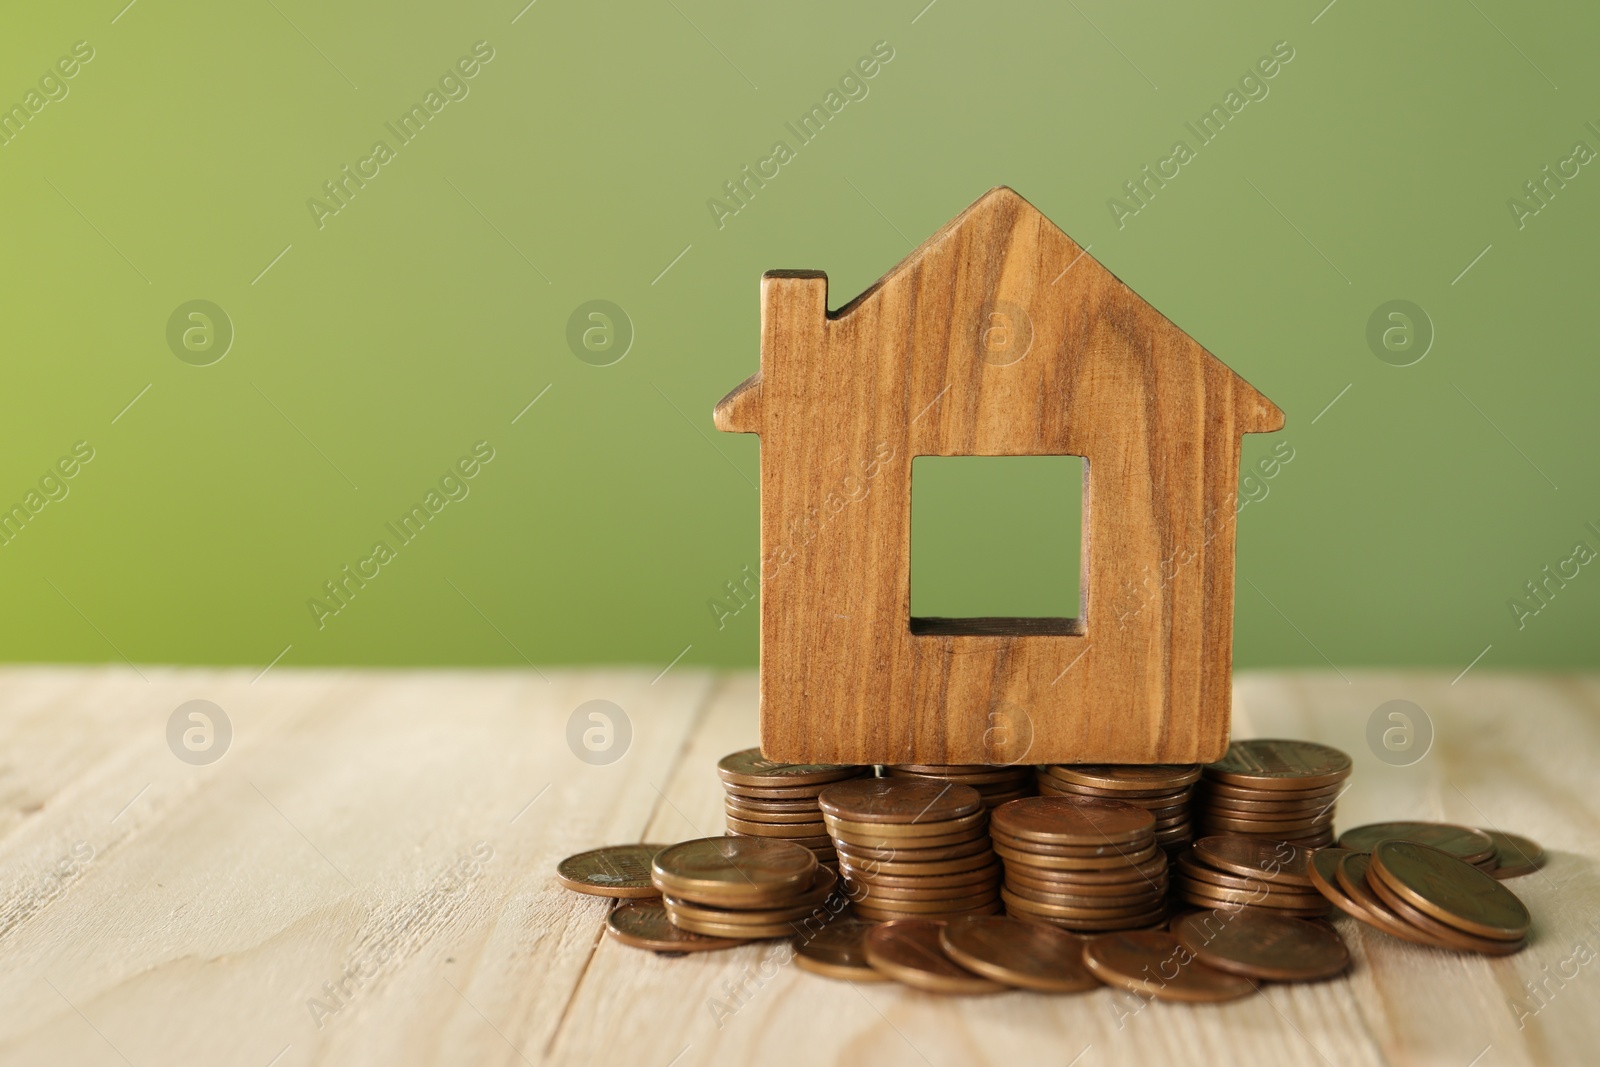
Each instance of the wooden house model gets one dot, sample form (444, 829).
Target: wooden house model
(998, 336)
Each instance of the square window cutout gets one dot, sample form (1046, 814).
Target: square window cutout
(997, 544)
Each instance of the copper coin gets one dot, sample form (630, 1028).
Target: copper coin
(855, 876)
(1026, 880)
(870, 868)
(907, 832)
(888, 913)
(1132, 858)
(986, 895)
(1273, 763)
(1084, 900)
(1073, 820)
(777, 813)
(1129, 777)
(1282, 829)
(1071, 911)
(1056, 787)
(1150, 870)
(1351, 874)
(1025, 955)
(908, 950)
(1514, 855)
(884, 895)
(1153, 963)
(621, 871)
(1443, 934)
(1275, 861)
(1449, 890)
(1271, 806)
(775, 829)
(978, 777)
(732, 871)
(780, 792)
(683, 909)
(1112, 852)
(899, 801)
(822, 887)
(749, 768)
(748, 932)
(645, 925)
(916, 855)
(1197, 873)
(837, 951)
(1260, 945)
(1462, 842)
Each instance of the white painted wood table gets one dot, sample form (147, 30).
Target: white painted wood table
(364, 877)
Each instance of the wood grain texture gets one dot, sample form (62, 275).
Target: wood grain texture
(999, 336)
(375, 829)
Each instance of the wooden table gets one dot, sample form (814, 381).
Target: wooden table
(365, 878)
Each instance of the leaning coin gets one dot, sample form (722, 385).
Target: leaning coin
(1514, 855)
(1262, 945)
(1354, 883)
(617, 871)
(1153, 963)
(1462, 842)
(837, 951)
(645, 925)
(1027, 955)
(1449, 890)
(908, 950)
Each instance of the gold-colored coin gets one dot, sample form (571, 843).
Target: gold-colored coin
(621, 871)
(1273, 763)
(1153, 963)
(1262, 945)
(909, 951)
(906, 832)
(734, 871)
(1449, 890)
(1026, 955)
(899, 801)
(644, 924)
(837, 951)
(1462, 842)
(749, 768)
(1514, 855)
(776, 829)
(1073, 821)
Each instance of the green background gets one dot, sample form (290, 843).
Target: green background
(426, 315)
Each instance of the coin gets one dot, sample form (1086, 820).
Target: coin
(1262, 945)
(1462, 842)
(1155, 867)
(1449, 890)
(837, 951)
(1108, 852)
(888, 913)
(779, 829)
(789, 812)
(871, 868)
(1074, 863)
(645, 925)
(1208, 790)
(980, 776)
(1443, 934)
(858, 876)
(749, 768)
(1073, 820)
(1126, 916)
(898, 801)
(782, 792)
(1351, 874)
(915, 855)
(1195, 872)
(1153, 963)
(1275, 861)
(617, 871)
(909, 951)
(1026, 955)
(1128, 777)
(734, 870)
(1514, 854)
(1273, 763)
(908, 833)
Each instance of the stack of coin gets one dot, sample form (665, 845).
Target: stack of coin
(1164, 791)
(1277, 790)
(1423, 895)
(740, 887)
(1082, 863)
(1236, 871)
(912, 849)
(995, 785)
(1463, 842)
(767, 799)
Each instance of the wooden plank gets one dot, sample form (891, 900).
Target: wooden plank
(998, 336)
(360, 879)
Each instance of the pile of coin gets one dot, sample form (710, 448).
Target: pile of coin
(1463, 842)
(1234, 871)
(995, 785)
(767, 799)
(1163, 790)
(912, 849)
(1424, 895)
(1082, 863)
(740, 888)
(1273, 789)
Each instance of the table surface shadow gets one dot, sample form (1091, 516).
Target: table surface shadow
(356, 867)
